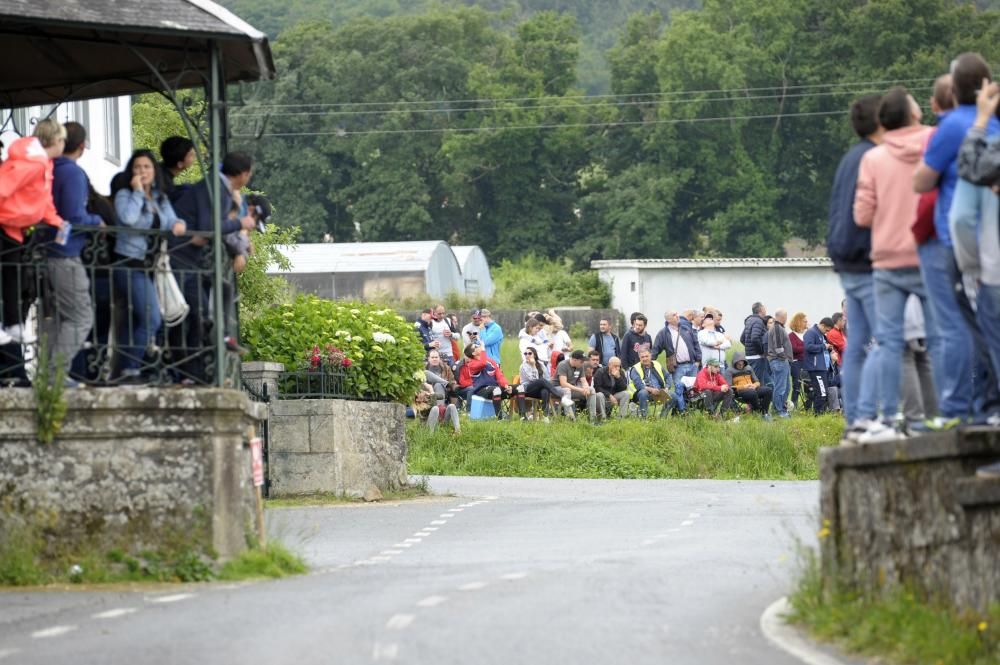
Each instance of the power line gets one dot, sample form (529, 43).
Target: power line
(624, 123)
(547, 106)
(677, 93)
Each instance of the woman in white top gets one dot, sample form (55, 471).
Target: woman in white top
(561, 342)
(713, 343)
(528, 338)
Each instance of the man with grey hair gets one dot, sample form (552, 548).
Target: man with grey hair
(779, 355)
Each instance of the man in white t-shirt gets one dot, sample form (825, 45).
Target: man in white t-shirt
(472, 330)
(441, 332)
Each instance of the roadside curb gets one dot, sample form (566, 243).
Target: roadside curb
(788, 639)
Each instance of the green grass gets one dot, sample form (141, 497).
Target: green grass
(510, 354)
(274, 562)
(898, 627)
(693, 446)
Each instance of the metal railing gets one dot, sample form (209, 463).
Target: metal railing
(313, 384)
(100, 313)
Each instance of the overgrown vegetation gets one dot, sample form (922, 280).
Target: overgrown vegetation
(50, 398)
(27, 560)
(379, 350)
(415, 491)
(899, 626)
(692, 446)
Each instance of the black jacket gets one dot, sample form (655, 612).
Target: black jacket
(848, 245)
(609, 385)
(632, 344)
(754, 337)
(687, 331)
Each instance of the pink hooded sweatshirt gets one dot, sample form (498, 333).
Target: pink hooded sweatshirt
(885, 200)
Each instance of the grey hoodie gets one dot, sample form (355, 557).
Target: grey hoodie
(778, 345)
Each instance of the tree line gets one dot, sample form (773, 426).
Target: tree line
(718, 136)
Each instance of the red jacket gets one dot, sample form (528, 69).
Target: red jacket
(704, 382)
(26, 188)
(838, 340)
(472, 367)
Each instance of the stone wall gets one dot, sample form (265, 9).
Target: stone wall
(340, 447)
(132, 465)
(913, 512)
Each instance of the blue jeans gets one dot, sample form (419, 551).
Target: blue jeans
(762, 368)
(952, 361)
(141, 320)
(682, 370)
(988, 313)
(779, 375)
(892, 289)
(859, 376)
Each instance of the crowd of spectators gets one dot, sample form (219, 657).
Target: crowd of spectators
(691, 363)
(99, 304)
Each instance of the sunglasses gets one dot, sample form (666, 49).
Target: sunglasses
(528, 353)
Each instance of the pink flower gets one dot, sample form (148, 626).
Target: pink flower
(346, 362)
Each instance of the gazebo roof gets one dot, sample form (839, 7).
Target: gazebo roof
(61, 50)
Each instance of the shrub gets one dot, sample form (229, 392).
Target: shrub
(540, 283)
(384, 349)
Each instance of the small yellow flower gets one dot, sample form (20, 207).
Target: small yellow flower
(983, 626)
(826, 523)
(823, 533)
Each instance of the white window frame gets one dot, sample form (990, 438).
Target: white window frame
(112, 135)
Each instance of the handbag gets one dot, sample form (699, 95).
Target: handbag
(173, 307)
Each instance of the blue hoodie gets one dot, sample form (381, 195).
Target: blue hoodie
(848, 245)
(69, 193)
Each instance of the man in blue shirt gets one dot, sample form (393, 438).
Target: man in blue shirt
(953, 314)
(605, 342)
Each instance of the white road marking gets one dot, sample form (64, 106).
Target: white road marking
(8, 652)
(400, 621)
(431, 601)
(114, 614)
(430, 528)
(54, 631)
(364, 562)
(403, 545)
(171, 599)
(675, 530)
(648, 542)
(439, 522)
(422, 534)
(472, 586)
(413, 540)
(787, 638)
(694, 516)
(489, 498)
(514, 576)
(343, 565)
(381, 558)
(385, 652)
(445, 516)
(456, 510)
(467, 505)
(687, 522)
(392, 552)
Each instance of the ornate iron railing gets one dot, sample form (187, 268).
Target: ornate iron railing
(100, 313)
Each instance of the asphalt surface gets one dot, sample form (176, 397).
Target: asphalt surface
(506, 571)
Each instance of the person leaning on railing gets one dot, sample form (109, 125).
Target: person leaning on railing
(141, 205)
(25, 199)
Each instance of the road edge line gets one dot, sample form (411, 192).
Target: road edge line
(788, 639)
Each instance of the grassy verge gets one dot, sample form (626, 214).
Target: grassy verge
(415, 491)
(25, 561)
(899, 627)
(682, 447)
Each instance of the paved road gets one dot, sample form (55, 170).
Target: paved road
(505, 571)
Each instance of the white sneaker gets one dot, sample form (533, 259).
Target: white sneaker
(21, 334)
(567, 400)
(858, 428)
(994, 420)
(5, 339)
(880, 432)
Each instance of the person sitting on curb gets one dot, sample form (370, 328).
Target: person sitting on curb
(571, 378)
(747, 387)
(612, 382)
(440, 377)
(713, 386)
(432, 414)
(648, 382)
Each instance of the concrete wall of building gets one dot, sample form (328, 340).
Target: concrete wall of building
(814, 290)
(132, 466)
(913, 512)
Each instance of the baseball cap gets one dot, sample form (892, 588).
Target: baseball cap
(485, 312)
(477, 313)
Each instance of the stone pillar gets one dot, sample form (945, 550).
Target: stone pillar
(258, 374)
(133, 466)
(335, 446)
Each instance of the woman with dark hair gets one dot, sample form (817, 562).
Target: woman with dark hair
(534, 382)
(141, 205)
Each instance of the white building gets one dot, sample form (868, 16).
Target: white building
(655, 286)
(109, 133)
